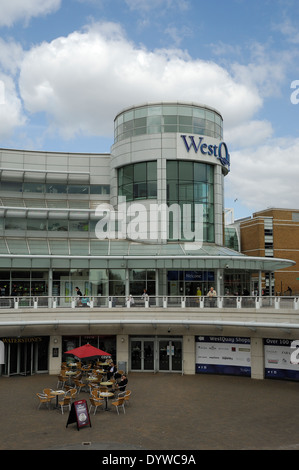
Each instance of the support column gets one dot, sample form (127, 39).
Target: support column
(257, 359)
(122, 349)
(50, 287)
(188, 365)
(260, 283)
(55, 346)
(219, 282)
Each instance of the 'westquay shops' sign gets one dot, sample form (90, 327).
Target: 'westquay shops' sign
(220, 151)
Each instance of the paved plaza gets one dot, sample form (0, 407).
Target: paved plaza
(166, 412)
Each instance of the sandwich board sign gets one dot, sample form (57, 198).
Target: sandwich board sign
(79, 414)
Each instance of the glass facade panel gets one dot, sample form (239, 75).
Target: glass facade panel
(140, 280)
(56, 188)
(11, 186)
(185, 120)
(139, 113)
(168, 118)
(139, 172)
(186, 171)
(58, 225)
(36, 224)
(59, 188)
(99, 189)
(190, 183)
(78, 189)
(138, 181)
(15, 224)
(33, 188)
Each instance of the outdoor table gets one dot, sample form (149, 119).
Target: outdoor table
(106, 395)
(92, 379)
(104, 364)
(107, 384)
(56, 393)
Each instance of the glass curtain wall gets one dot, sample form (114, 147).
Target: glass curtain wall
(190, 183)
(189, 283)
(23, 283)
(141, 279)
(166, 118)
(138, 181)
(95, 282)
(53, 188)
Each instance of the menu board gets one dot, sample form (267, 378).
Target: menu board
(79, 414)
(281, 359)
(223, 355)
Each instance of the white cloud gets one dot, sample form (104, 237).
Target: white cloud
(11, 113)
(288, 30)
(249, 134)
(11, 55)
(81, 81)
(11, 110)
(145, 5)
(16, 10)
(266, 176)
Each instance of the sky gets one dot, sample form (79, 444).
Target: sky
(67, 67)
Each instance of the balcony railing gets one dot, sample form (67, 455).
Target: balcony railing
(230, 302)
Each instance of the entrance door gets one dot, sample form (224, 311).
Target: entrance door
(170, 355)
(25, 358)
(155, 354)
(142, 354)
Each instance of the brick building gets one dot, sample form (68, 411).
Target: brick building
(274, 233)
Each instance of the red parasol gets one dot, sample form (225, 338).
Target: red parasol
(87, 351)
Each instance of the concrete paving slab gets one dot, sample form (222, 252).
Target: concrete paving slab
(166, 412)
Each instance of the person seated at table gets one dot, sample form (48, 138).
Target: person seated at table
(111, 371)
(121, 386)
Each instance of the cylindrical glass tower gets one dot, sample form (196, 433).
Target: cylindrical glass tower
(171, 155)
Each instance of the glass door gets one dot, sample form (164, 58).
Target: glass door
(142, 354)
(26, 358)
(170, 355)
(156, 354)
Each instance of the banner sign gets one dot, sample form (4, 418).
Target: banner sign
(223, 355)
(278, 355)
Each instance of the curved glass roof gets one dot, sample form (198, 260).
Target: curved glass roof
(130, 254)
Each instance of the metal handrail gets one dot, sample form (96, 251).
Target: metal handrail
(160, 301)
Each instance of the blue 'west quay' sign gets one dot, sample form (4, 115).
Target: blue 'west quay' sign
(219, 151)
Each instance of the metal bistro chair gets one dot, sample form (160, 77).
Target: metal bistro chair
(79, 385)
(71, 393)
(119, 403)
(126, 395)
(94, 393)
(96, 402)
(65, 402)
(43, 399)
(61, 381)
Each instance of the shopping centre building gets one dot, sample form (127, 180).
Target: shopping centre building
(146, 217)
